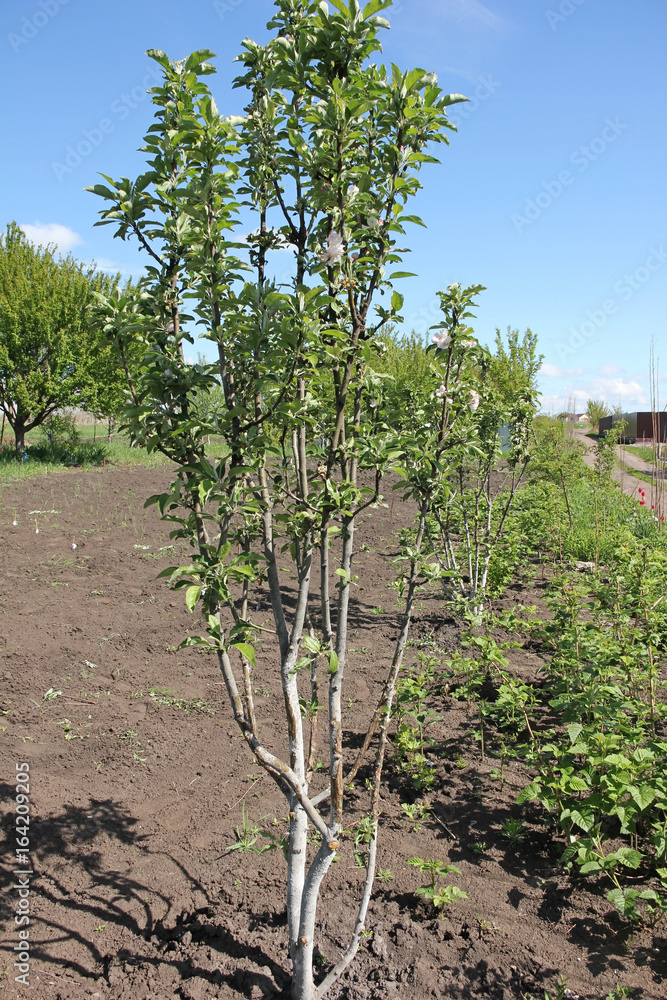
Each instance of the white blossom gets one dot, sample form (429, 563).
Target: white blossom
(440, 393)
(441, 339)
(335, 248)
(474, 400)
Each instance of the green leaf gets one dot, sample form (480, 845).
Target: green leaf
(413, 218)
(397, 302)
(628, 857)
(590, 866)
(623, 900)
(198, 57)
(374, 6)
(311, 643)
(246, 650)
(169, 571)
(574, 730)
(159, 56)
(192, 595)
(402, 274)
(333, 662)
(643, 795)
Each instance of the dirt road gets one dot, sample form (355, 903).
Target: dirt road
(626, 461)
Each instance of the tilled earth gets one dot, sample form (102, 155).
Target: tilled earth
(138, 779)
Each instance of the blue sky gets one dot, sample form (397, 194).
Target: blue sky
(552, 194)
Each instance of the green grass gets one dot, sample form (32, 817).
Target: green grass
(641, 451)
(45, 458)
(644, 476)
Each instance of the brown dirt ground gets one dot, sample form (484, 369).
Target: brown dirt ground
(136, 797)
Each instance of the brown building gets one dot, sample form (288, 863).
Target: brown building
(638, 425)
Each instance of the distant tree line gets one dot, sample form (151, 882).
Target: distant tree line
(53, 355)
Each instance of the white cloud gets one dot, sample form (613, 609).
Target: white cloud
(611, 370)
(42, 234)
(628, 393)
(555, 372)
(614, 389)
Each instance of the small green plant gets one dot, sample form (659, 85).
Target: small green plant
(277, 842)
(164, 698)
(47, 700)
(620, 992)
(414, 718)
(559, 994)
(514, 830)
(364, 937)
(486, 925)
(438, 894)
(247, 836)
(499, 773)
(362, 837)
(69, 731)
(385, 875)
(478, 846)
(416, 812)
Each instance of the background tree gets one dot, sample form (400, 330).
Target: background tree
(492, 443)
(514, 366)
(401, 369)
(596, 409)
(46, 343)
(115, 363)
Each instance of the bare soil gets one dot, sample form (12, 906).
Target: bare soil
(139, 775)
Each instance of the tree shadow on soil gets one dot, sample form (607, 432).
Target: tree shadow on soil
(74, 885)
(608, 940)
